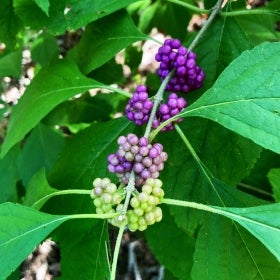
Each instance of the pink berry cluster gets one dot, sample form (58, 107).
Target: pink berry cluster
(171, 108)
(173, 56)
(137, 154)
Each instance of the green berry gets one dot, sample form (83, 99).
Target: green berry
(97, 202)
(106, 208)
(105, 182)
(138, 211)
(157, 213)
(106, 198)
(135, 202)
(143, 197)
(150, 218)
(142, 228)
(133, 226)
(97, 182)
(147, 189)
(116, 198)
(111, 188)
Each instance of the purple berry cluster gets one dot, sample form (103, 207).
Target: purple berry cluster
(187, 76)
(137, 154)
(139, 106)
(168, 110)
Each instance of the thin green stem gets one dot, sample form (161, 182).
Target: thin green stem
(117, 90)
(247, 12)
(91, 216)
(129, 190)
(204, 170)
(63, 192)
(214, 12)
(190, 7)
(157, 100)
(117, 251)
(191, 204)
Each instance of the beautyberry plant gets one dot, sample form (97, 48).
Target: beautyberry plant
(160, 118)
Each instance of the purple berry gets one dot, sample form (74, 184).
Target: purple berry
(172, 55)
(139, 106)
(168, 110)
(137, 154)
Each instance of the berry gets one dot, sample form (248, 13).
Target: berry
(146, 160)
(144, 210)
(187, 76)
(139, 106)
(106, 195)
(168, 110)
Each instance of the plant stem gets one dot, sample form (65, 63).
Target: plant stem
(116, 251)
(63, 192)
(248, 12)
(204, 170)
(118, 90)
(190, 204)
(129, 189)
(190, 7)
(157, 100)
(214, 12)
(91, 216)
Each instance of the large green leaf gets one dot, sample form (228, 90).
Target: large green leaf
(52, 85)
(245, 98)
(10, 25)
(44, 5)
(9, 176)
(38, 191)
(88, 253)
(40, 150)
(274, 179)
(155, 15)
(84, 157)
(262, 221)
(172, 246)
(110, 35)
(225, 40)
(65, 15)
(10, 65)
(22, 229)
(224, 250)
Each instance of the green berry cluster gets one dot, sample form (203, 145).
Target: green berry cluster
(143, 209)
(106, 195)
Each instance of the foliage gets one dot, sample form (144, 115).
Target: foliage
(222, 177)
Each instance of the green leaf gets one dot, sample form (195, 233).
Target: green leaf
(110, 35)
(81, 110)
(172, 247)
(224, 250)
(10, 26)
(157, 12)
(262, 221)
(10, 65)
(274, 179)
(245, 98)
(38, 190)
(84, 157)
(65, 15)
(260, 28)
(9, 176)
(44, 49)
(24, 229)
(87, 253)
(44, 5)
(51, 86)
(40, 150)
(226, 40)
